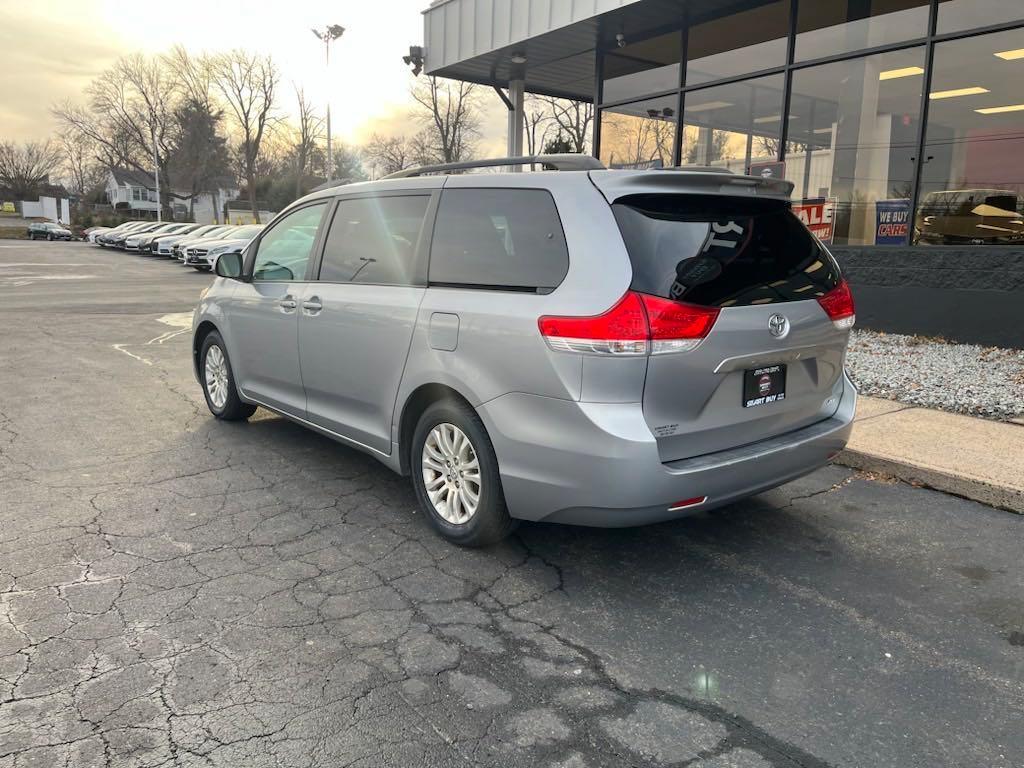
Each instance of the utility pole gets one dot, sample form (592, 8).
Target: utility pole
(330, 33)
(156, 177)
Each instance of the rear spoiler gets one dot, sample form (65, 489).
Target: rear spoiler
(703, 181)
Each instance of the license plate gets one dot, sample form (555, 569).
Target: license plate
(764, 385)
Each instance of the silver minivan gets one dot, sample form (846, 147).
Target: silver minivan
(586, 346)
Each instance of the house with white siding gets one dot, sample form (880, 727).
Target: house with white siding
(138, 191)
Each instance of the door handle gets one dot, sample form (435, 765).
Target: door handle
(312, 305)
(288, 304)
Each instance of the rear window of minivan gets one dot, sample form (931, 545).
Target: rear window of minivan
(722, 251)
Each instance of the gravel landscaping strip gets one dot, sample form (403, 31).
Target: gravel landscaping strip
(963, 378)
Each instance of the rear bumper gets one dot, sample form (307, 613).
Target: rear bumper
(597, 464)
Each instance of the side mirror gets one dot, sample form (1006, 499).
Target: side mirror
(229, 265)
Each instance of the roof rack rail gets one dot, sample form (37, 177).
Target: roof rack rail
(560, 162)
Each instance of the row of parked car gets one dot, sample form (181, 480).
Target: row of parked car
(194, 245)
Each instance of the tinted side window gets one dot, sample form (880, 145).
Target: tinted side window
(373, 240)
(284, 249)
(722, 251)
(498, 238)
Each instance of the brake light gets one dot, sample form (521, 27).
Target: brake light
(622, 330)
(638, 324)
(675, 326)
(838, 305)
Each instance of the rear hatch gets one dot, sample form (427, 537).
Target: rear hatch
(773, 360)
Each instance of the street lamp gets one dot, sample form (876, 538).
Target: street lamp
(156, 175)
(330, 32)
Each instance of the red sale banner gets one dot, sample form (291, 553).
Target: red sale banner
(817, 215)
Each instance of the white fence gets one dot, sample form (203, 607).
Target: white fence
(52, 208)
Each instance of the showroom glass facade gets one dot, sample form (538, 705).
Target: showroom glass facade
(841, 97)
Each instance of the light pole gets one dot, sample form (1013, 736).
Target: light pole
(331, 32)
(156, 177)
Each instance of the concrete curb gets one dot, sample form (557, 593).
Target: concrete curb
(1008, 499)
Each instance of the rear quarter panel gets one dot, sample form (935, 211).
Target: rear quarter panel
(499, 348)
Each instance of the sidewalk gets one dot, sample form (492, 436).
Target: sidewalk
(971, 457)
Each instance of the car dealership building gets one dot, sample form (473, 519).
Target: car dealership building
(899, 122)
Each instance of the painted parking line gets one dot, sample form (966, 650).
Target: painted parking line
(121, 348)
(20, 280)
(181, 322)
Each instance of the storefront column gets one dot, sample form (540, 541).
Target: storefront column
(516, 118)
(860, 173)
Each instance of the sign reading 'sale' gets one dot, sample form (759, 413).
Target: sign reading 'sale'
(818, 216)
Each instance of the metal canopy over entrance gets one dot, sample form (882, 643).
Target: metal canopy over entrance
(486, 41)
(546, 47)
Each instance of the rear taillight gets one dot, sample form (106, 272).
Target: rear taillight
(838, 305)
(638, 324)
(676, 327)
(622, 330)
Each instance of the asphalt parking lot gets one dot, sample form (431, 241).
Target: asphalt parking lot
(177, 591)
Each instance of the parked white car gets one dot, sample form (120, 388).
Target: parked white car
(203, 254)
(164, 246)
(94, 232)
(217, 232)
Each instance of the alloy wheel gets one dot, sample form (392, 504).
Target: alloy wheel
(216, 373)
(451, 473)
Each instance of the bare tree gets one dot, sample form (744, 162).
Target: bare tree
(80, 164)
(538, 119)
(137, 95)
(635, 141)
(112, 145)
(423, 150)
(663, 136)
(769, 146)
(248, 83)
(275, 157)
(310, 131)
(389, 154)
(130, 116)
(194, 75)
(574, 118)
(451, 114)
(24, 167)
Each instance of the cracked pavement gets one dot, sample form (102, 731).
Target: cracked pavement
(176, 591)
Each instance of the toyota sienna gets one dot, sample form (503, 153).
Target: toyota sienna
(589, 346)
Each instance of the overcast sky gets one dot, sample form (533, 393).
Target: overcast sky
(51, 49)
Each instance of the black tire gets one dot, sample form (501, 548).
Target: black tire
(49, 237)
(491, 522)
(233, 409)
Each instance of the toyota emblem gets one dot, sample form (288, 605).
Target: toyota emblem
(778, 326)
